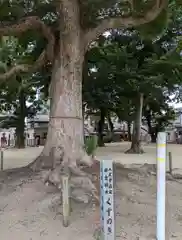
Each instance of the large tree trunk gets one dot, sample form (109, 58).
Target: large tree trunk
(20, 126)
(136, 142)
(64, 149)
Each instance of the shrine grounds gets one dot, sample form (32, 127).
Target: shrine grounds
(31, 211)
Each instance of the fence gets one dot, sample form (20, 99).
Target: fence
(28, 143)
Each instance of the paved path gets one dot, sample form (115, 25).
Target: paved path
(17, 158)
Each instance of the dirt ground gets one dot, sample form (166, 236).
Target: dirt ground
(17, 158)
(31, 211)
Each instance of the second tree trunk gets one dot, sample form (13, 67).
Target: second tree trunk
(20, 126)
(136, 138)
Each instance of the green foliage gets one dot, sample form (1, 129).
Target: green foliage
(17, 91)
(122, 67)
(91, 144)
(92, 11)
(31, 43)
(91, 14)
(155, 28)
(125, 65)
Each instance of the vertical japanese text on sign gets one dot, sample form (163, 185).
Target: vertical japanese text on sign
(107, 200)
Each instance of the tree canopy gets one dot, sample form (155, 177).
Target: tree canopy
(123, 64)
(19, 94)
(37, 24)
(55, 36)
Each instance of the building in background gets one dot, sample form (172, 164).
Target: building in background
(175, 129)
(37, 127)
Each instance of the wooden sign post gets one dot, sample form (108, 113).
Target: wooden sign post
(2, 159)
(66, 200)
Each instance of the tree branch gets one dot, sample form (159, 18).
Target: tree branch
(29, 23)
(24, 68)
(131, 4)
(124, 22)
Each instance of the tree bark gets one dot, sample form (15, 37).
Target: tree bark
(111, 128)
(151, 130)
(129, 131)
(65, 131)
(64, 151)
(20, 126)
(149, 118)
(154, 134)
(101, 128)
(136, 142)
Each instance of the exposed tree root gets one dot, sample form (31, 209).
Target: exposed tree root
(15, 173)
(135, 151)
(84, 175)
(136, 148)
(84, 183)
(41, 162)
(82, 170)
(101, 144)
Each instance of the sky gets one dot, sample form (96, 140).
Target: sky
(176, 105)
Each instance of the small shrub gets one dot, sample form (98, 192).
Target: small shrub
(91, 145)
